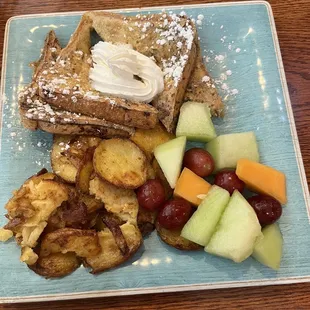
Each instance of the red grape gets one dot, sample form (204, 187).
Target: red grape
(228, 180)
(151, 195)
(199, 161)
(174, 214)
(268, 209)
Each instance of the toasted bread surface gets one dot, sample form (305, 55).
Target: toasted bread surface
(168, 39)
(64, 83)
(36, 113)
(201, 87)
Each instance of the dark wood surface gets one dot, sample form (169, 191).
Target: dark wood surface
(292, 20)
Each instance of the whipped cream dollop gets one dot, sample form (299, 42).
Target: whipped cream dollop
(120, 71)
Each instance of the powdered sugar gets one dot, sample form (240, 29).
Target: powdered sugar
(173, 67)
(219, 58)
(161, 41)
(218, 61)
(200, 17)
(173, 29)
(206, 78)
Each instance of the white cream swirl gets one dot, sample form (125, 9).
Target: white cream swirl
(120, 71)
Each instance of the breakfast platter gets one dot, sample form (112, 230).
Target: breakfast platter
(148, 150)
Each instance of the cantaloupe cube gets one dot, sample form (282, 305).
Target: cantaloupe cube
(190, 186)
(262, 179)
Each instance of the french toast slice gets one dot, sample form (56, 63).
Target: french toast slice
(35, 113)
(64, 83)
(177, 38)
(42, 116)
(168, 39)
(201, 87)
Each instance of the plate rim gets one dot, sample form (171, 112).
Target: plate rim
(185, 287)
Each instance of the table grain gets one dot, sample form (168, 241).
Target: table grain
(292, 19)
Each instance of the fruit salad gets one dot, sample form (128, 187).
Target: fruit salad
(208, 207)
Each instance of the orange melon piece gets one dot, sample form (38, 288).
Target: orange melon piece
(190, 186)
(262, 179)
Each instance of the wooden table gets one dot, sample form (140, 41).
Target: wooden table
(292, 20)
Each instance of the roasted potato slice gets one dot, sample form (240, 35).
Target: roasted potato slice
(56, 265)
(173, 238)
(149, 139)
(160, 175)
(119, 201)
(84, 243)
(120, 162)
(146, 221)
(85, 171)
(68, 153)
(111, 256)
(61, 164)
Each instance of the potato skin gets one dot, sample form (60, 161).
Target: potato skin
(111, 256)
(173, 238)
(148, 140)
(68, 153)
(146, 221)
(121, 163)
(85, 171)
(113, 223)
(119, 201)
(56, 265)
(61, 164)
(82, 242)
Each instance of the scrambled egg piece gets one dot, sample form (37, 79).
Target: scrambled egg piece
(28, 256)
(5, 234)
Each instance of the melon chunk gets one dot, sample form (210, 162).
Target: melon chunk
(262, 179)
(195, 122)
(268, 251)
(237, 231)
(226, 150)
(191, 187)
(202, 223)
(169, 156)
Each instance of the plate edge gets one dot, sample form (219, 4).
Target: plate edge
(3, 74)
(157, 289)
(186, 287)
(124, 10)
(289, 111)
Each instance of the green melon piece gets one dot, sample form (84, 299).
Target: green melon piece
(202, 223)
(237, 232)
(226, 150)
(268, 251)
(195, 122)
(170, 158)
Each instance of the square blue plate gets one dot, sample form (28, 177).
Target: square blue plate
(240, 42)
